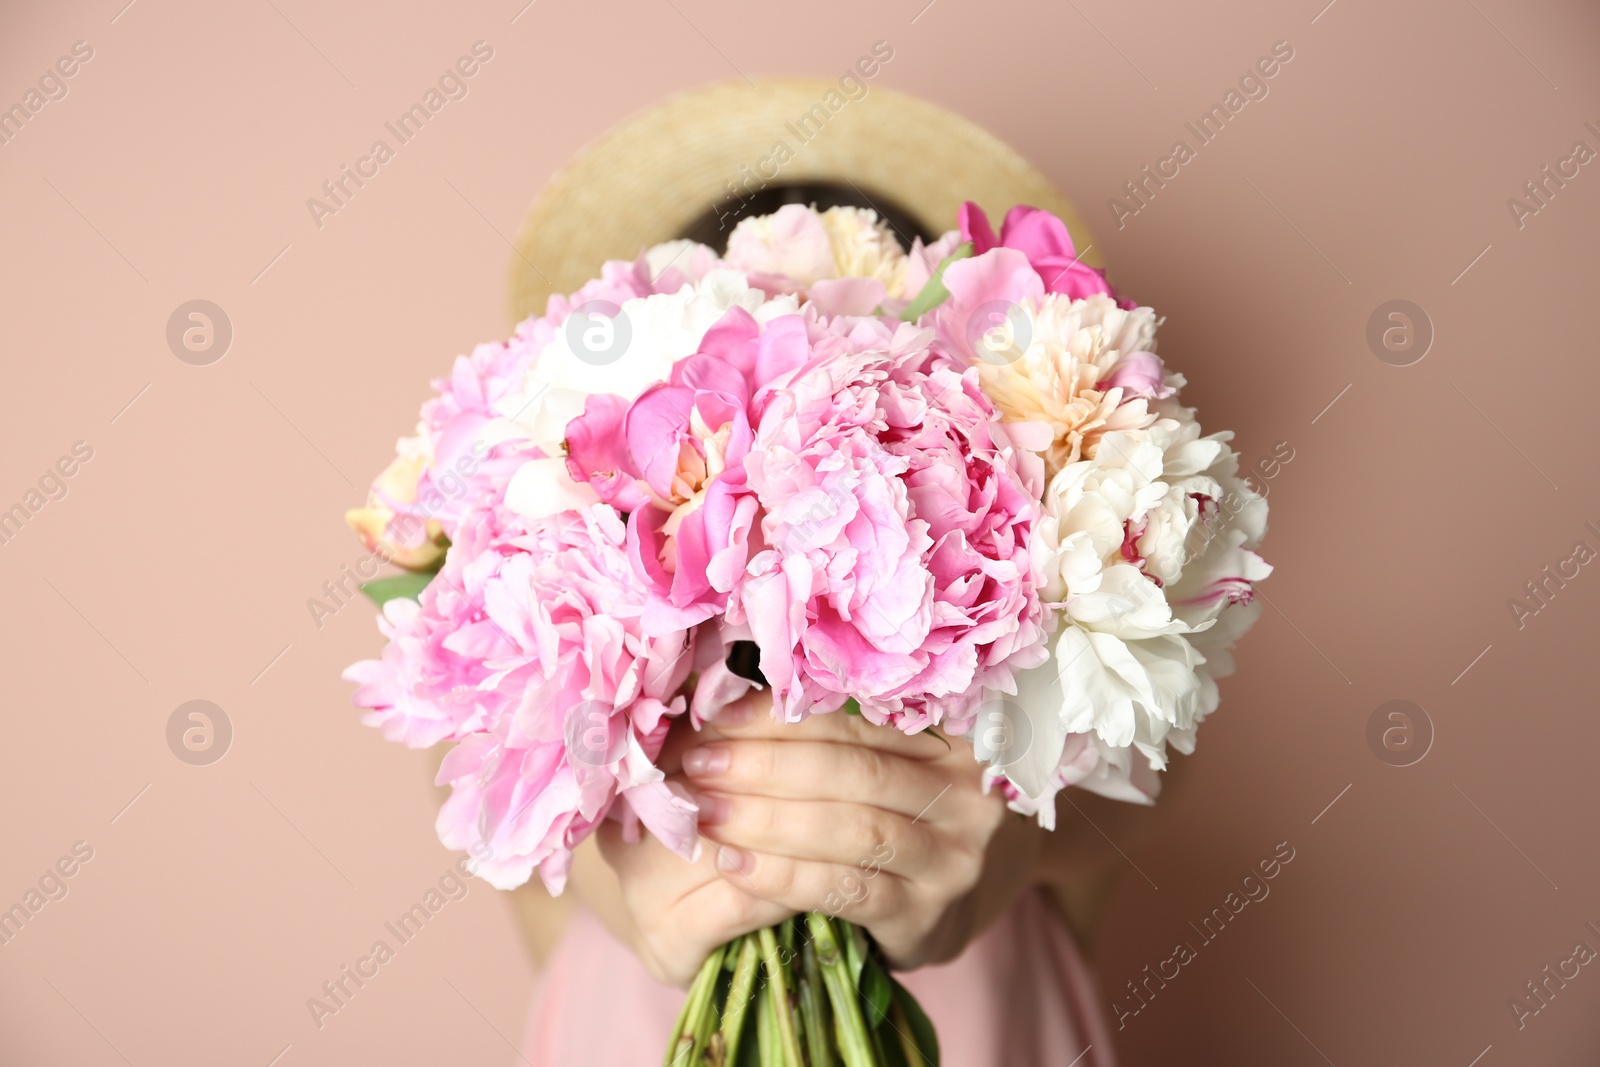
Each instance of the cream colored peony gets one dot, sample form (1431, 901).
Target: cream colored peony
(1077, 366)
(846, 259)
(863, 246)
(1146, 548)
(397, 487)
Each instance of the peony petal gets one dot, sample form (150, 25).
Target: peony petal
(544, 487)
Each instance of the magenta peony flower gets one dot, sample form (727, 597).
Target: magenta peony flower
(898, 514)
(526, 649)
(1044, 239)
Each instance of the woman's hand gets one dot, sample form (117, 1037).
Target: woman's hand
(673, 914)
(834, 814)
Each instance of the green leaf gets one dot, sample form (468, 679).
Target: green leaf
(891, 1049)
(917, 1024)
(409, 585)
(852, 706)
(934, 293)
(856, 950)
(876, 989)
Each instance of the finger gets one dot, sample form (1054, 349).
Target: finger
(722, 910)
(799, 885)
(755, 707)
(752, 718)
(675, 884)
(673, 924)
(670, 875)
(816, 770)
(868, 838)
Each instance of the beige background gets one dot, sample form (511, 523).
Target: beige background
(179, 564)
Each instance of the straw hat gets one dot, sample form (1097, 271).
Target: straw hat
(696, 156)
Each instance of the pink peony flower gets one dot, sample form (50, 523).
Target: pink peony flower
(527, 651)
(898, 513)
(674, 459)
(1044, 239)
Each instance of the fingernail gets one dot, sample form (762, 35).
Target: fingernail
(733, 859)
(706, 760)
(713, 810)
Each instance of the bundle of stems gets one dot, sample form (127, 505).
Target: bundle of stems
(812, 991)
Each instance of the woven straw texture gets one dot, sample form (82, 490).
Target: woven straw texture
(647, 179)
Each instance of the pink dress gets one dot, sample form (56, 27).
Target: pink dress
(1020, 996)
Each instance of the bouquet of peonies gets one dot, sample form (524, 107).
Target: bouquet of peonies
(947, 487)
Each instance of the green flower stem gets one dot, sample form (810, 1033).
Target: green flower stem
(740, 994)
(814, 1008)
(681, 1048)
(705, 1025)
(855, 1048)
(767, 1044)
(785, 934)
(777, 980)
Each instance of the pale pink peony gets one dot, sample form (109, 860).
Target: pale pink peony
(526, 650)
(898, 513)
(843, 261)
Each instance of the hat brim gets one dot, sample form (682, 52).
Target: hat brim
(651, 177)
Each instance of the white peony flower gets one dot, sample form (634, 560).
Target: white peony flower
(628, 353)
(1145, 549)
